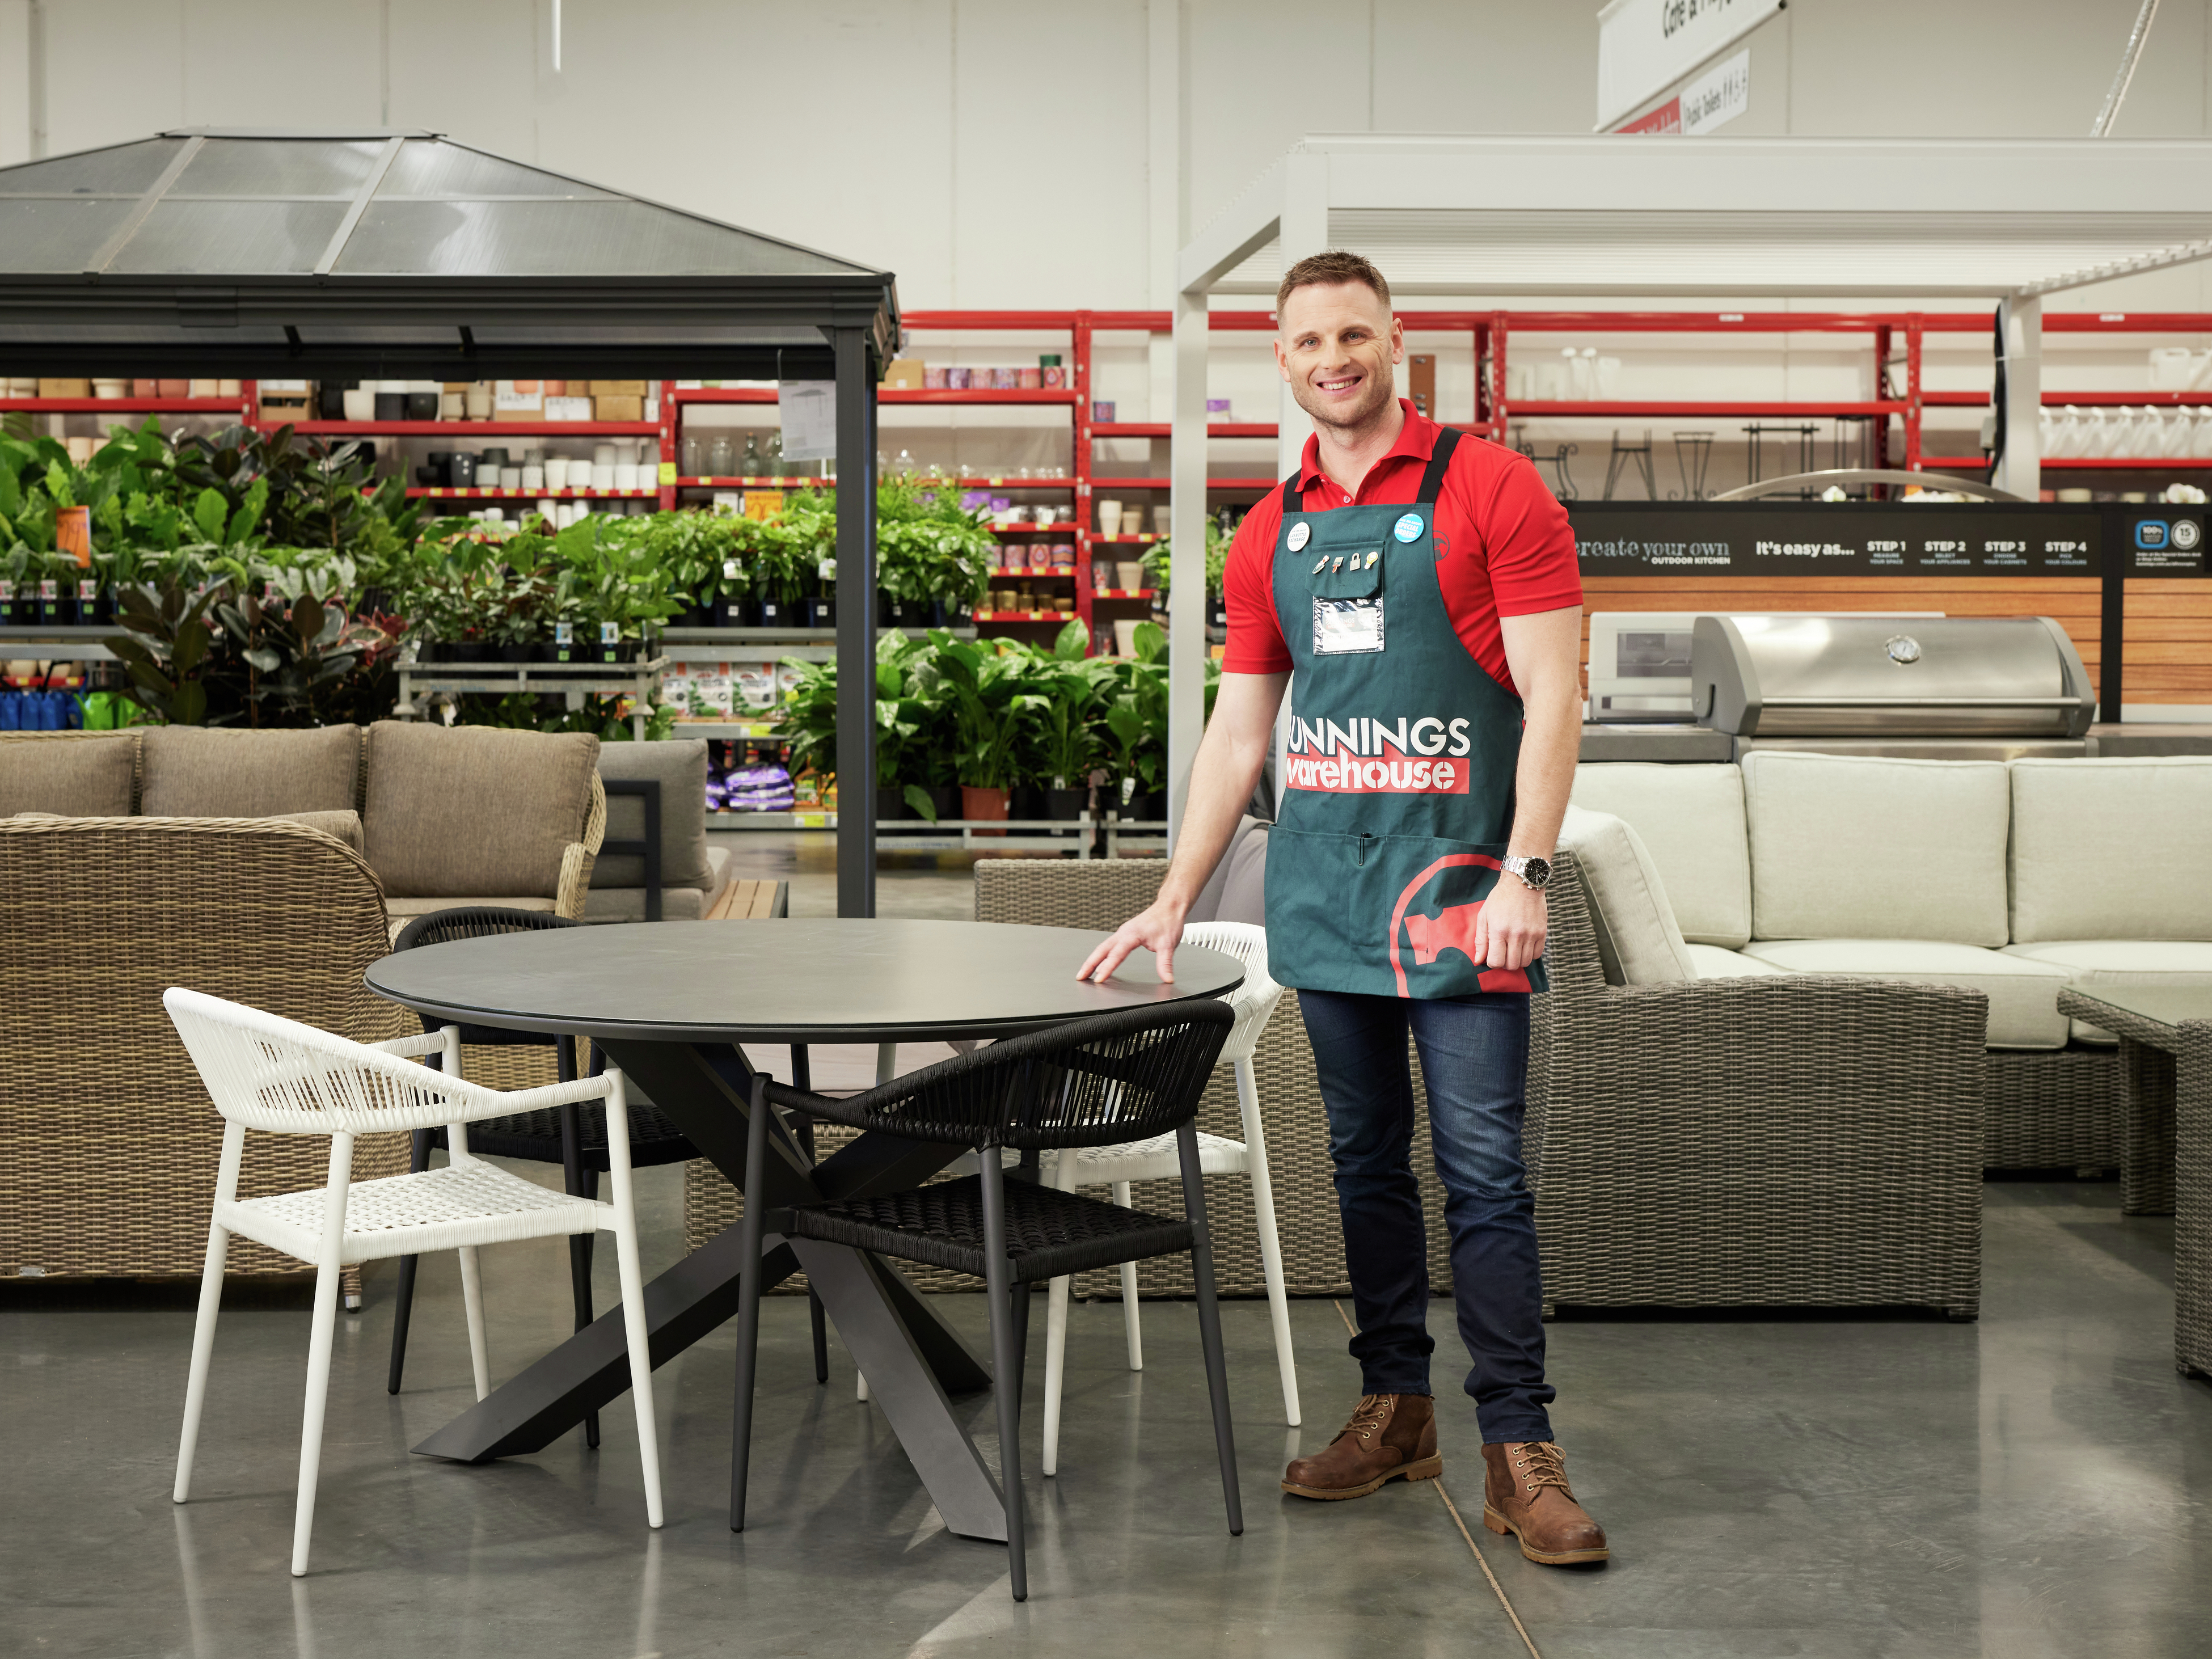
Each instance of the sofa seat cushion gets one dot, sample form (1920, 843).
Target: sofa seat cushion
(2023, 994)
(628, 903)
(452, 811)
(1637, 938)
(1713, 962)
(211, 772)
(679, 765)
(2119, 964)
(1690, 821)
(2111, 849)
(1848, 846)
(70, 775)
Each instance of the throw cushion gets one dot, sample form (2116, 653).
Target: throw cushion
(1846, 846)
(679, 766)
(2122, 962)
(1207, 907)
(1713, 962)
(2023, 995)
(204, 772)
(2114, 849)
(71, 774)
(1625, 885)
(1690, 819)
(473, 810)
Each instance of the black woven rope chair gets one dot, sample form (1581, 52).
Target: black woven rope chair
(574, 1137)
(1097, 1082)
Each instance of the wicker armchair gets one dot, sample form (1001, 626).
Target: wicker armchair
(112, 1143)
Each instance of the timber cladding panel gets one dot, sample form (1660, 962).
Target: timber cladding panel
(2169, 629)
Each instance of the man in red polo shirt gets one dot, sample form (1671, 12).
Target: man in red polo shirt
(1416, 590)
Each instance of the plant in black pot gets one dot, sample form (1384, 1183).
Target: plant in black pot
(1064, 740)
(1137, 725)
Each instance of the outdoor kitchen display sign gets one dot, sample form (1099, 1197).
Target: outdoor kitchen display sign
(1855, 539)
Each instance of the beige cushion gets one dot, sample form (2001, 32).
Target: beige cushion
(2119, 964)
(1624, 883)
(1713, 962)
(679, 766)
(1847, 846)
(1690, 821)
(1246, 860)
(345, 826)
(2117, 849)
(464, 809)
(204, 772)
(2023, 995)
(72, 774)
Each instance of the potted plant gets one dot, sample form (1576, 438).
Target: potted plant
(1136, 723)
(1064, 740)
(992, 706)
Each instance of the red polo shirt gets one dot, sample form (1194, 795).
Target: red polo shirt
(1503, 543)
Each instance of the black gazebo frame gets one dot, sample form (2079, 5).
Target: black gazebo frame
(840, 324)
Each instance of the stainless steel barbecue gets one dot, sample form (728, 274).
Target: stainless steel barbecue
(1949, 687)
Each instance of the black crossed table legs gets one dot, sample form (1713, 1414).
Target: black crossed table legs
(912, 1359)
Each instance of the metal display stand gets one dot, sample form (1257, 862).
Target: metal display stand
(574, 681)
(61, 643)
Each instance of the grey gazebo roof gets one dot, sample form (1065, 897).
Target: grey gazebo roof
(274, 253)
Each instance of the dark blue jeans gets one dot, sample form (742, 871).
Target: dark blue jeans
(1474, 1058)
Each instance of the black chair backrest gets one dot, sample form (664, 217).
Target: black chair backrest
(1095, 1082)
(481, 921)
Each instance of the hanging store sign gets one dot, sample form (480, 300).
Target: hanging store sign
(1844, 538)
(1712, 99)
(1644, 47)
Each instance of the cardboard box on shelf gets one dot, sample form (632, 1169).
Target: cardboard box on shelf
(518, 400)
(567, 409)
(903, 372)
(48, 388)
(623, 407)
(612, 388)
(286, 400)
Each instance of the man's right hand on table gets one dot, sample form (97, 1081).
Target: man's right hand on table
(1159, 930)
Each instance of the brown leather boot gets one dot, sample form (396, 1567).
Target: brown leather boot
(1525, 1491)
(1391, 1437)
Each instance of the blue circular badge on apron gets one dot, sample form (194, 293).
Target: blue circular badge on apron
(1409, 528)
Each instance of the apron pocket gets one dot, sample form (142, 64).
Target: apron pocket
(1328, 910)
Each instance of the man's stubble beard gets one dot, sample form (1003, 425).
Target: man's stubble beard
(1385, 379)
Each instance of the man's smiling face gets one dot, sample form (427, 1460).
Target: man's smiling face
(1335, 345)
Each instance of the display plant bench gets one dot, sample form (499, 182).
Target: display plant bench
(572, 681)
(2166, 1168)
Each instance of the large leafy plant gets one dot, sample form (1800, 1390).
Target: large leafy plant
(993, 702)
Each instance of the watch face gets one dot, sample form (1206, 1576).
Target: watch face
(1536, 871)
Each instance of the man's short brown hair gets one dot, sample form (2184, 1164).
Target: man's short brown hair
(1326, 269)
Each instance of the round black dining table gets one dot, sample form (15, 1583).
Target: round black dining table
(672, 1004)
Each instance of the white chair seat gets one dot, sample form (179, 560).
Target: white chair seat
(474, 1203)
(1155, 1159)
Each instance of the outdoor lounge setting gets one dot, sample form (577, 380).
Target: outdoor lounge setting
(1304, 875)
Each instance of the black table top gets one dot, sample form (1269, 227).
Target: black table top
(784, 980)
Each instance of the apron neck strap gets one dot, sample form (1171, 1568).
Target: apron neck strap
(1432, 481)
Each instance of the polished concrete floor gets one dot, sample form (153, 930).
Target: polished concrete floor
(2029, 1485)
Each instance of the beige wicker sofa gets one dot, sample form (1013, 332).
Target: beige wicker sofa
(444, 816)
(2013, 880)
(110, 1144)
(1752, 1142)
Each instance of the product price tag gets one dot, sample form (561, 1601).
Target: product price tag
(87, 593)
(668, 472)
(730, 570)
(610, 633)
(827, 570)
(50, 590)
(564, 633)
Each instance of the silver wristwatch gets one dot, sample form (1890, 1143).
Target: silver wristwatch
(1535, 874)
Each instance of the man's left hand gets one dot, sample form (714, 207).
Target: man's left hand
(1509, 932)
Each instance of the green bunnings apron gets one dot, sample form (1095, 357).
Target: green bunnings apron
(1397, 793)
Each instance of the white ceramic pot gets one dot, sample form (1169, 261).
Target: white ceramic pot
(476, 402)
(360, 404)
(626, 475)
(1109, 518)
(510, 477)
(603, 473)
(533, 477)
(602, 455)
(557, 471)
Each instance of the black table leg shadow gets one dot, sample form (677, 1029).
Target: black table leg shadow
(913, 1359)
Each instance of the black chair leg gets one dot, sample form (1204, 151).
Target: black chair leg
(1209, 1324)
(741, 1412)
(418, 1159)
(1019, 1296)
(802, 1076)
(1006, 1365)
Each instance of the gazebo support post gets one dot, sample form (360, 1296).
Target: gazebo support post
(856, 631)
(1187, 556)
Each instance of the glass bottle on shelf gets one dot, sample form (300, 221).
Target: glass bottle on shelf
(692, 455)
(751, 465)
(904, 465)
(775, 453)
(718, 462)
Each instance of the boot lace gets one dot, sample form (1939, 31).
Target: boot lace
(1369, 1419)
(1539, 1463)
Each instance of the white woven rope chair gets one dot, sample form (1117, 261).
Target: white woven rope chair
(264, 1073)
(1155, 1159)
